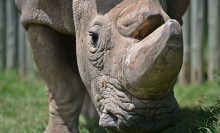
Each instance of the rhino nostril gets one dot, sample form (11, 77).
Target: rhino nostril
(105, 111)
(108, 120)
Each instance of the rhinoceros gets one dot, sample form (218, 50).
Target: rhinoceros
(126, 53)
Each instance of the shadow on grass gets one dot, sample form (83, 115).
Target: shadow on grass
(191, 120)
(87, 125)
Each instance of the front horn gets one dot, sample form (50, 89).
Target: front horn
(152, 65)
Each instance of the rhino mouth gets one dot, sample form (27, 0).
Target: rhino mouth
(154, 120)
(120, 111)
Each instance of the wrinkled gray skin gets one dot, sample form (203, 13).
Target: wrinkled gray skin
(127, 54)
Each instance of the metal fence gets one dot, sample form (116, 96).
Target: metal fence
(201, 31)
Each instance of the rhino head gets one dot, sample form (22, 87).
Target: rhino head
(129, 54)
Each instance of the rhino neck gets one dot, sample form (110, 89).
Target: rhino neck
(121, 111)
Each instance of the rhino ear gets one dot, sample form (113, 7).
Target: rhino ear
(176, 9)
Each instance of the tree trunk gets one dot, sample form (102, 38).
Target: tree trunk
(197, 40)
(214, 35)
(11, 36)
(2, 34)
(184, 76)
(21, 48)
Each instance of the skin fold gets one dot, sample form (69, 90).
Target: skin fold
(126, 53)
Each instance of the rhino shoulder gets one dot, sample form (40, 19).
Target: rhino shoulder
(57, 14)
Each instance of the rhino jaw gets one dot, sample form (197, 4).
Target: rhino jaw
(152, 65)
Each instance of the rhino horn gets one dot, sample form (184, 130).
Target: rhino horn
(152, 64)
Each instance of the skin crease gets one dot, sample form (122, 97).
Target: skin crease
(77, 44)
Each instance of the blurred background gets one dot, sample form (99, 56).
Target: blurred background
(23, 101)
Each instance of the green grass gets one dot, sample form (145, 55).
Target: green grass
(198, 118)
(199, 108)
(24, 107)
(23, 104)
(189, 96)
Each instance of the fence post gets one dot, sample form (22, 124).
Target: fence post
(21, 48)
(184, 76)
(213, 41)
(2, 34)
(11, 36)
(197, 40)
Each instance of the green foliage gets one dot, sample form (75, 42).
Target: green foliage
(200, 119)
(217, 77)
(211, 124)
(199, 108)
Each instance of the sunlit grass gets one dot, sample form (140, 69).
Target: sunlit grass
(24, 106)
(199, 108)
(188, 96)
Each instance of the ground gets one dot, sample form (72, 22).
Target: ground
(24, 106)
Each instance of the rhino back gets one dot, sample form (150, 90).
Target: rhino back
(57, 14)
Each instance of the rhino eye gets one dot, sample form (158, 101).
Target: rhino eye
(94, 34)
(94, 37)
